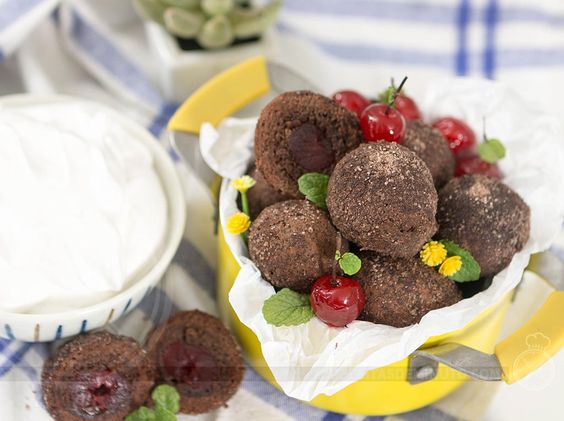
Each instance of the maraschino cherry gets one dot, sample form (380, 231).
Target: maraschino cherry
(352, 101)
(337, 301)
(473, 164)
(407, 107)
(459, 136)
(382, 121)
(484, 162)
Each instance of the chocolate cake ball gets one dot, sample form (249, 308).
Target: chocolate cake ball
(400, 291)
(301, 132)
(97, 376)
(381, 196)
(293, 243)
(429, 145)
(263, 194)
(486, 217)
(194, 352)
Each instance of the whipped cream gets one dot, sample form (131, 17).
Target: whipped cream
(83, 213)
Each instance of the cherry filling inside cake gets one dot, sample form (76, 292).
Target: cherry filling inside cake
(188, 366)
(195, 353)
(97, 392)
(97, 376)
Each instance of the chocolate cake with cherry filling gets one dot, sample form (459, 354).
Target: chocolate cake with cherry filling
(429, 145)
(194, 352)
(301, 132)
(381, 196)
(486, 217)
(400, 291)
(97, 376)
(262, 194)
(293, 243)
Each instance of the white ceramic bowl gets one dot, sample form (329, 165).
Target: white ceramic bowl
(51, 326)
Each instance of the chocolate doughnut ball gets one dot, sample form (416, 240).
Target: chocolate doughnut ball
(486, 217)
(262, 194)
(194, 352)
(293, 243)
(399, 292)
(381, 196)
(301, 132)
(429, 145)
(97, 376)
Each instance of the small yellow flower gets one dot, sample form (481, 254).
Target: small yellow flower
(238, 223)
(244, 183)
(450, 266)
(433, 253)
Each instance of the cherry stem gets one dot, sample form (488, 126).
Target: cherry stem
(335, 261)
(395, 94)
(485, 138)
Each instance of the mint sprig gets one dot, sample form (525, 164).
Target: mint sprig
(314, 187)
(167, 397)
(287, 308)
(491, 150)
(349, 262)
(470, 269)
(389, 95)
(167, 404)
(141, 414)
(163, 414)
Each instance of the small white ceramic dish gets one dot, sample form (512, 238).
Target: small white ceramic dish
(52, 326)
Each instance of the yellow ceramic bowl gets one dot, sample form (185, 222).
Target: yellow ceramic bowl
(384, 390)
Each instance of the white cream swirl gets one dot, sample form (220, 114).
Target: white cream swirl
(82, 210)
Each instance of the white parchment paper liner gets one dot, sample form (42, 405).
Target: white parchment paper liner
(313, 358)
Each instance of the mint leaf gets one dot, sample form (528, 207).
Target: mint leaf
(287, 308)
(163, 414)
(350, 263)
(491, 150)
(166, 397)
(313, 186)
(141, 414)
(470, 270)
(387, 95)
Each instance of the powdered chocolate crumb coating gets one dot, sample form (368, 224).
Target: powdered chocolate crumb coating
(293, 243)
(96, 352)
(429, 145)
(206, 332)
(300, 132)
(486, 217)
(381, 196)
(399, 292)
(262, 194)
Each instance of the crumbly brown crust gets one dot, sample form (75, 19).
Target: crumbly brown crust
(300, 128)
(399, 292)
(206, 332)
(381, 196)
(293, 243)
(262, 194)
(429, 145)
(94, 352)
(486, 217)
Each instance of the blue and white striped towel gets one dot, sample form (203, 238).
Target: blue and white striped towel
(66, 47)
